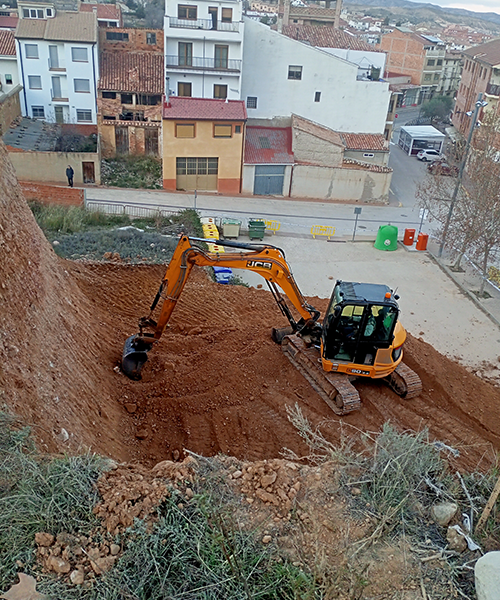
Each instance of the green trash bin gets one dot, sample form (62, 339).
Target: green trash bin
(387, 238)
(231, 228)
(256, 229)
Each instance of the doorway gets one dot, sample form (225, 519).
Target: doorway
(88, 172)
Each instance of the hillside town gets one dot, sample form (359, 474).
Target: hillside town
(193, 94)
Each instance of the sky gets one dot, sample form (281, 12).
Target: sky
(475, 5)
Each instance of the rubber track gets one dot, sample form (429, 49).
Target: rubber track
(404, 377)
(334, 388)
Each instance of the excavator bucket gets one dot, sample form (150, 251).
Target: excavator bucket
(133, 358)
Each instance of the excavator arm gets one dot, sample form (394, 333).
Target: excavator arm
(266, 260)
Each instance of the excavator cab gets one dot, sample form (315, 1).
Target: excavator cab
(361, 320)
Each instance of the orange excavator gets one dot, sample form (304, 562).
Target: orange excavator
(360, 335)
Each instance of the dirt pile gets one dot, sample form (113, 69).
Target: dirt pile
(215, 383)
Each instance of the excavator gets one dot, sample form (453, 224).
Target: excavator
(360, 334)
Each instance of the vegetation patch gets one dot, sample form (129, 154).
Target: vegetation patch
(132, 172)
(78, 233)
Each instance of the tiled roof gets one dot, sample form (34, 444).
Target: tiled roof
(204, 109)
(365, 141)
(104, 11)
(8, 22)
(312, 12)
(131, 72)
(7, 43)
(268, 145)
(64, 27)
(326, 37)
(488, 53)
(319, 131)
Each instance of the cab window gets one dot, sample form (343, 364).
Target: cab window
(379, 323)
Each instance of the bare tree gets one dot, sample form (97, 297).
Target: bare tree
(474, 227)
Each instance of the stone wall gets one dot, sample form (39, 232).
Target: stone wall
(53, 194)
(10, 108)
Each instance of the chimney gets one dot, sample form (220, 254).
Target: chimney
(286, 13)
(338, 10)
(167, 91)
(281, 10)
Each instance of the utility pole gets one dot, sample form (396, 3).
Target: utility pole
(480, 103)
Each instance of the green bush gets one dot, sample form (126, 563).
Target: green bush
(132, 172)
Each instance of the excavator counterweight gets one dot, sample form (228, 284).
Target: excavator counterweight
(360, 336)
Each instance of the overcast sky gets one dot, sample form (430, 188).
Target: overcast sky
(475, 5)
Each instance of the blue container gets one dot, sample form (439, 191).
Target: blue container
(222, 274)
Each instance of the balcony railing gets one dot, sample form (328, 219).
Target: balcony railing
(493, 89)
(207, 24)
(198, 62)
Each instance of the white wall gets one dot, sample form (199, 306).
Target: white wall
(8, 66)
(69, 71)
(364, 60)
(346, 104)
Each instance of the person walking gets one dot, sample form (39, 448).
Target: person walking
(69, 175)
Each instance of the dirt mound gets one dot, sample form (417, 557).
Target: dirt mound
(215, 382)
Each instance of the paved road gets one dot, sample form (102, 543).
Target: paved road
(295, 217)
(408, 173)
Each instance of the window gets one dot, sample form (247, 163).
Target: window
(197, 166)
(83, 116)
(212, 11)
(126, 98)
(436, 76)
(220, 91)
(8, 79)
(151, 38)
(368, 155)
(38, 112)
(31, 50)
(184, 89)
(48, 12)
(439, 62)
(251, 101)
(149, 99)
(187, 12)
(427, 77)
(185, 54)
(294, 72)
(79, 55)
(317, 96)
(227, 15)
(34, 82)
(109, 118)
(26, 13)
(184, 130)
(118, 36)
(223, 131)
(431, 62)
(110, 95)
(237, 129)
(82, 86)
(221, 57)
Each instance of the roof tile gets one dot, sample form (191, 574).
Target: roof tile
(131, 72)
(104, 11)
(268, 145)
(488, 53)
(7, 43)
(204, 109)
(65, 27)
(365, 141)
(327, 37)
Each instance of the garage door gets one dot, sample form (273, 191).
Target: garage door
(197, 173)
(269, 180)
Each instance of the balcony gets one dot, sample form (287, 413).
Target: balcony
(55, 65)
(206, 24)
(493, 89)
(202, 64)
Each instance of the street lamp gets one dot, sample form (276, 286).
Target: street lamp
(479, 104)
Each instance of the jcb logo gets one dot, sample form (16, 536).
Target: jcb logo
(260, 264)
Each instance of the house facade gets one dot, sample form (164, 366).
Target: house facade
(130, 94)
(451, 73)
(420, 56)
(9, 77)
(480, 74)
(58, 67)
(203, 144)
(310, 82)
(203, 48)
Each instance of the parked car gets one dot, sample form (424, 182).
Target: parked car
(439, 167)
(428, 155)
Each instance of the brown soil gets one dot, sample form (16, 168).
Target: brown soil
(215, 383)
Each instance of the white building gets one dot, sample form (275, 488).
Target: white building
(282, 76)
(203, 48)
(58, 65)
(9, 78)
